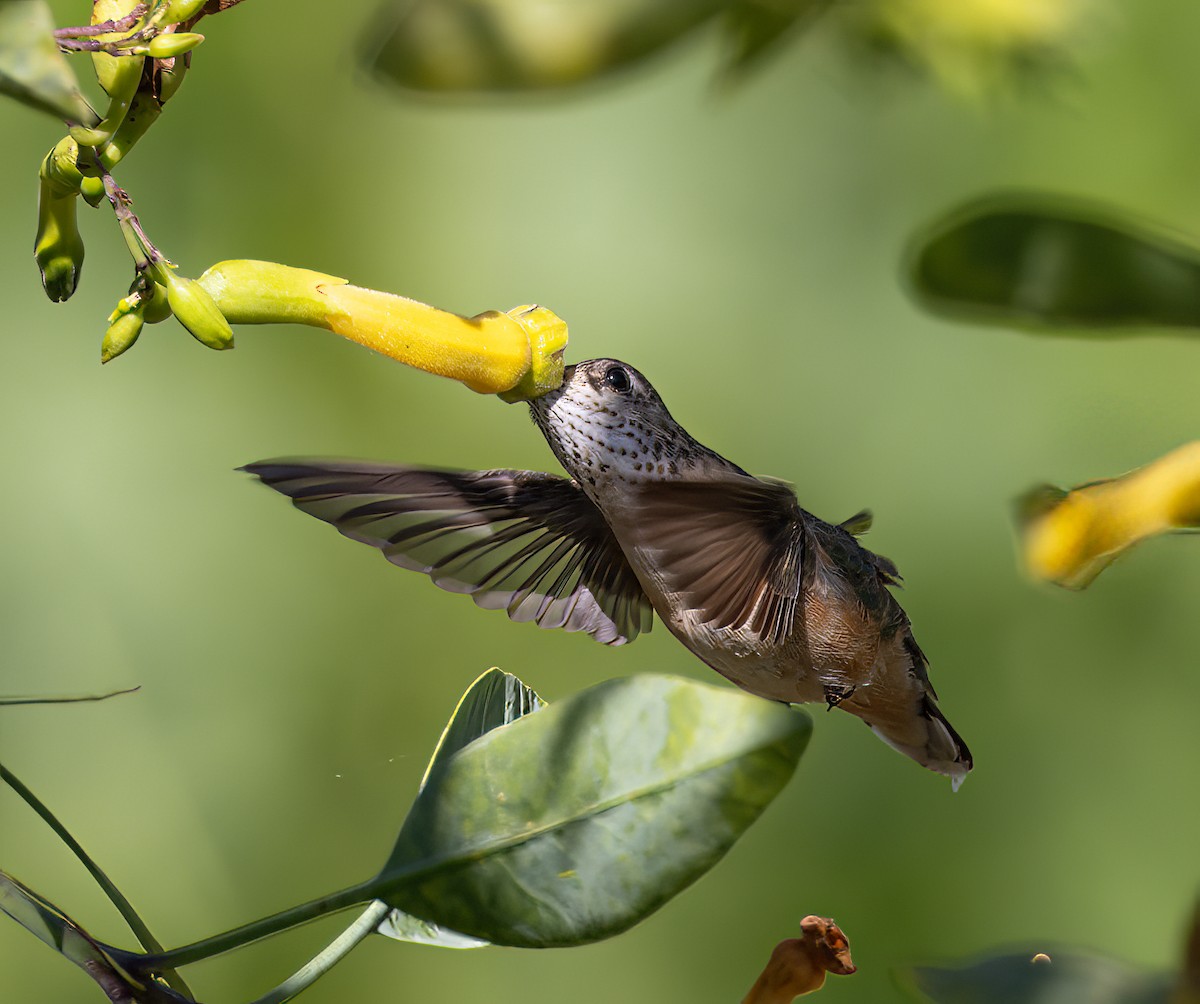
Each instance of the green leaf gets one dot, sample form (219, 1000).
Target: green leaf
(60, 932)
(573, 824)
(1038, 262)
(755, 28)
(402, 926)
(1070, 978)
(494, 699)
(485, 46)
(32, 70)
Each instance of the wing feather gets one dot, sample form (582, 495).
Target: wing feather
(528, 543)
(730, 549)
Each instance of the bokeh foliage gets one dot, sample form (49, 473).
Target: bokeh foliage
(743, 252)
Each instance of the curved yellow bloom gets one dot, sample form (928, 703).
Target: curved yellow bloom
(517, 354)
(1070, 537)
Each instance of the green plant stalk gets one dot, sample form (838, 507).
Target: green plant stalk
(331, 955)
(120, 100)
(67, 698)
(124, 907)
(256, 930)
(141, 249)
(385, 885)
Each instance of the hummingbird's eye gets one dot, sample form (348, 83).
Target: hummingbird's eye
(618, 379)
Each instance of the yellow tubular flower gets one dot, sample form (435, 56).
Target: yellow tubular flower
(1070, 537)
(516, 354)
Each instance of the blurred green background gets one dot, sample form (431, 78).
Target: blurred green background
(743, 250)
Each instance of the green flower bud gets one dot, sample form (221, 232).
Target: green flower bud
(143, 112)
(121, 335)
(169, 79)
(120, 76)
(155, 307)
(197, 311)
(125, 305)
(92, 190)
(182, 10)
(173, 44)
(60, 169)
(58, 247)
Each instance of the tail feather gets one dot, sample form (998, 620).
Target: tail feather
(929, 739)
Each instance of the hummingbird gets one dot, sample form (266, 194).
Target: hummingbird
(650, 521)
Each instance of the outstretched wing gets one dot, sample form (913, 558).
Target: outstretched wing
(730, 549)
(529, 543)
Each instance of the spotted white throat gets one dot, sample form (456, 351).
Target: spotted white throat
(781, 603)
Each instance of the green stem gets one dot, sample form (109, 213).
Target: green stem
(145, 255)
(124, 907)
(254, 931)
(67, 698)
(327, 958)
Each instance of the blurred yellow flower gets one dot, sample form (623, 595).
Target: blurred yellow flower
(1070, 537)
(972, 46)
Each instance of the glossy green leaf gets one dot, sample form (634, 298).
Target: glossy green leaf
(755, 28)
(32, 70)
(482, 46)
(402, 926)
(1069, 978)
(573, 824)
(60, 932)
(494, 699)
(1037, 262)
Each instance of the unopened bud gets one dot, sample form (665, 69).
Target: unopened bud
(61, 169)
(197, 311)
(92, 190)
(58, 247)
(121, 335)
(155, 307)
(182, 10)
(173, 44)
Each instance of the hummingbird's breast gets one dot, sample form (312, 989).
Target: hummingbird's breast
(618, 441)
(607, 448)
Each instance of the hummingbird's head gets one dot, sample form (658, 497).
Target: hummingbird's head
(607, 424)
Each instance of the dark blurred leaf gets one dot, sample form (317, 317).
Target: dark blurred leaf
(1067, 978)
(1039, 262)
(572, 824)
(60, 932)
(486, 46)
(494, 699)
(1188, 989)
(754, 29)
(32, 70)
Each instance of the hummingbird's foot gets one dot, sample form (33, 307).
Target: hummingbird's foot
(835, 695)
